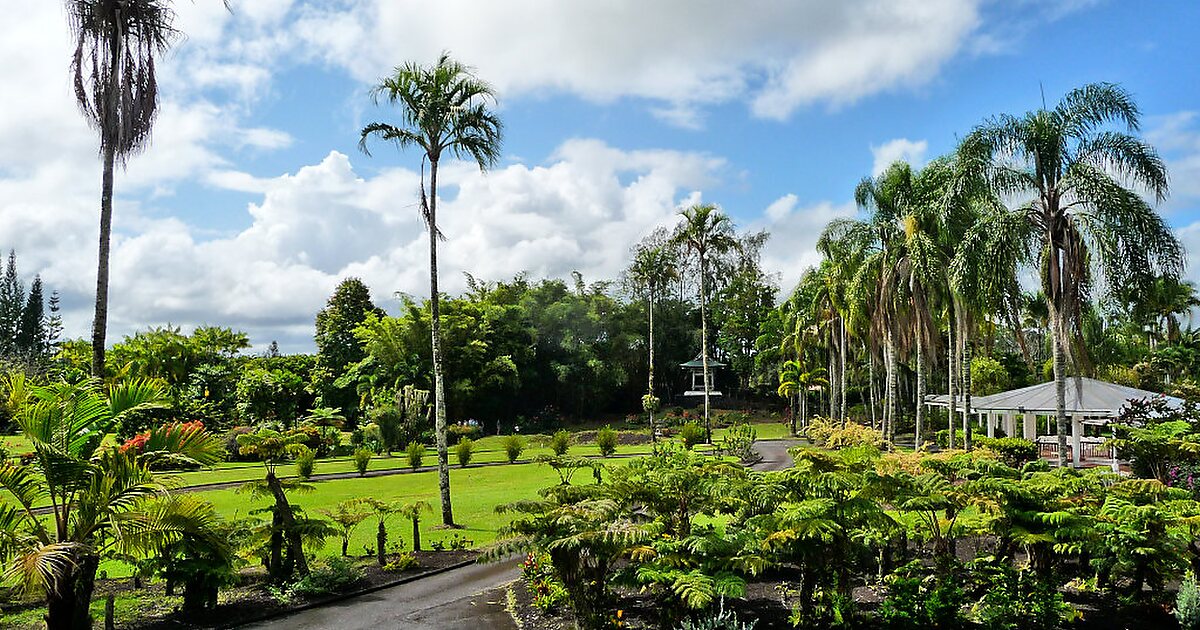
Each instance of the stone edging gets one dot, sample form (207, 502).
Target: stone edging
(348, 595)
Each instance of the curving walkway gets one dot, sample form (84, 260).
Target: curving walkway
(472, 597)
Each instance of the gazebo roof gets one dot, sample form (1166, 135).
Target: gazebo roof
(1084, 396)
(698, 362)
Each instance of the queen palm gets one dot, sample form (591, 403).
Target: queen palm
(444, 109)
(653, 267)
(1078, 170)
(116, 42)
(706, 232)
(101, 498)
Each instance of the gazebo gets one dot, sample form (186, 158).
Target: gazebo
(1089, 402)
(696, 368)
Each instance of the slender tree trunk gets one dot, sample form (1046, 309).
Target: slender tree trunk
(69, 599)
(951, 372)
(842, 370)
(704, 346)
(110, 135)
(1060, 384)
(892, 388)
(920, 425)
(832, 375)
(650, 377)
(870, 383)
(416, 523)
(439, 391)
(964, 339)
(792, 405)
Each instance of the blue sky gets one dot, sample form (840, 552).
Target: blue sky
(253, 200)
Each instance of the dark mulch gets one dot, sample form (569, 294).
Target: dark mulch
(253, 599)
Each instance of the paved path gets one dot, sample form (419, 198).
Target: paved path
(472, 597)
(774, 454)
(463, 598)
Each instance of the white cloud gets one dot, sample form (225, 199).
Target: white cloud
(911, 151)
(772, 54)
(794, 233)
(1177, 137)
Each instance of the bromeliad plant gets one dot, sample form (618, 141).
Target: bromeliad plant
(101, 498)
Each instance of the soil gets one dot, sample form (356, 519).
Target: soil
(253, 599)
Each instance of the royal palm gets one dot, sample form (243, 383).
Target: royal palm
(444, 110)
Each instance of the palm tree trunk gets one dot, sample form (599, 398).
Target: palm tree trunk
(381, 543)
(704, 346)
(892, 388)
(1060, 383)
(870, 383)
(288, 521)
(439, 392)
(951, 372)
(70, 597)
(842, 370)
(111, 133)
(650, 371)
(920, 425)
(965, 341)
(832, 375)
(416, 524)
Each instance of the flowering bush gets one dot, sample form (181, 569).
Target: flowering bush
(138, 442)
(548, 591)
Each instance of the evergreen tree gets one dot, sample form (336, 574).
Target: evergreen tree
(54, 325)
(31, 334)
(12, 302)
(345, 311)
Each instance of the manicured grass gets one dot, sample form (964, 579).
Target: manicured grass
(476, 493)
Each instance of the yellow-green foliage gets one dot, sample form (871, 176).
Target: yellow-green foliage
(832, 434)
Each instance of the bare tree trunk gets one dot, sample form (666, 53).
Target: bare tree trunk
(951, 372)
(439, 392)
(964, 340)
(704, 346)
(110, 134)
(832, 375)
(892, 388)
(650, 377)
(842, 370)
(416, 524)
(288, 521)
(920, 394)
(1060, 383)
(870, 383)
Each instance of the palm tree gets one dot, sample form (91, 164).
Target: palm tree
(412, 511)
(346, 515)
(102, 498)
(1083, 215)
(653, 267)
(706, 232)
(273, 448)
(115, 87)
(443, 109)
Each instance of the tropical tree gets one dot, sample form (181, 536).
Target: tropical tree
(346, 515)
(115, 87)
(443, 110)
(102, 498)
(653, 267)
(1083, 217)
(706, 232)
(273, 448)
(412, 511)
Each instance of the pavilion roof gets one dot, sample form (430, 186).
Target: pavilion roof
(1083, 395)
(698, 362)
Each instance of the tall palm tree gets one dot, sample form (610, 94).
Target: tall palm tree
(101, 497)
(1079, 170)
(653, 267)
(706, 232)
(116, 42)
(444, 109)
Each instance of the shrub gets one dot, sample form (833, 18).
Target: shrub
(722, 620)
(1187, 604)
(514, 445)
(231, 444)
(691, 434)
(403, 562)
(463, 430)
(739, 442)
(373, 438)
(456, 542)
(1014, 452)
(464, 450)
(548, 591)
(335, 575)
(306, 460)
(1017, 599)
(416, 453)
(831, 434)
(362, 460)
(606, 441)
(561, 442)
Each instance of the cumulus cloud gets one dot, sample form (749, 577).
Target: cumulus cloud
(773, 55)
(1177, 136)
(794, 229)
(911, 151)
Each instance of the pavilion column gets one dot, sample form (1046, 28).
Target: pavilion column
(1116, 467)
(1030, 428)
(1076, 433)
(991, 424)
(1010, 425)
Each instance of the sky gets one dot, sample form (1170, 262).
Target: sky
(253, 200)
